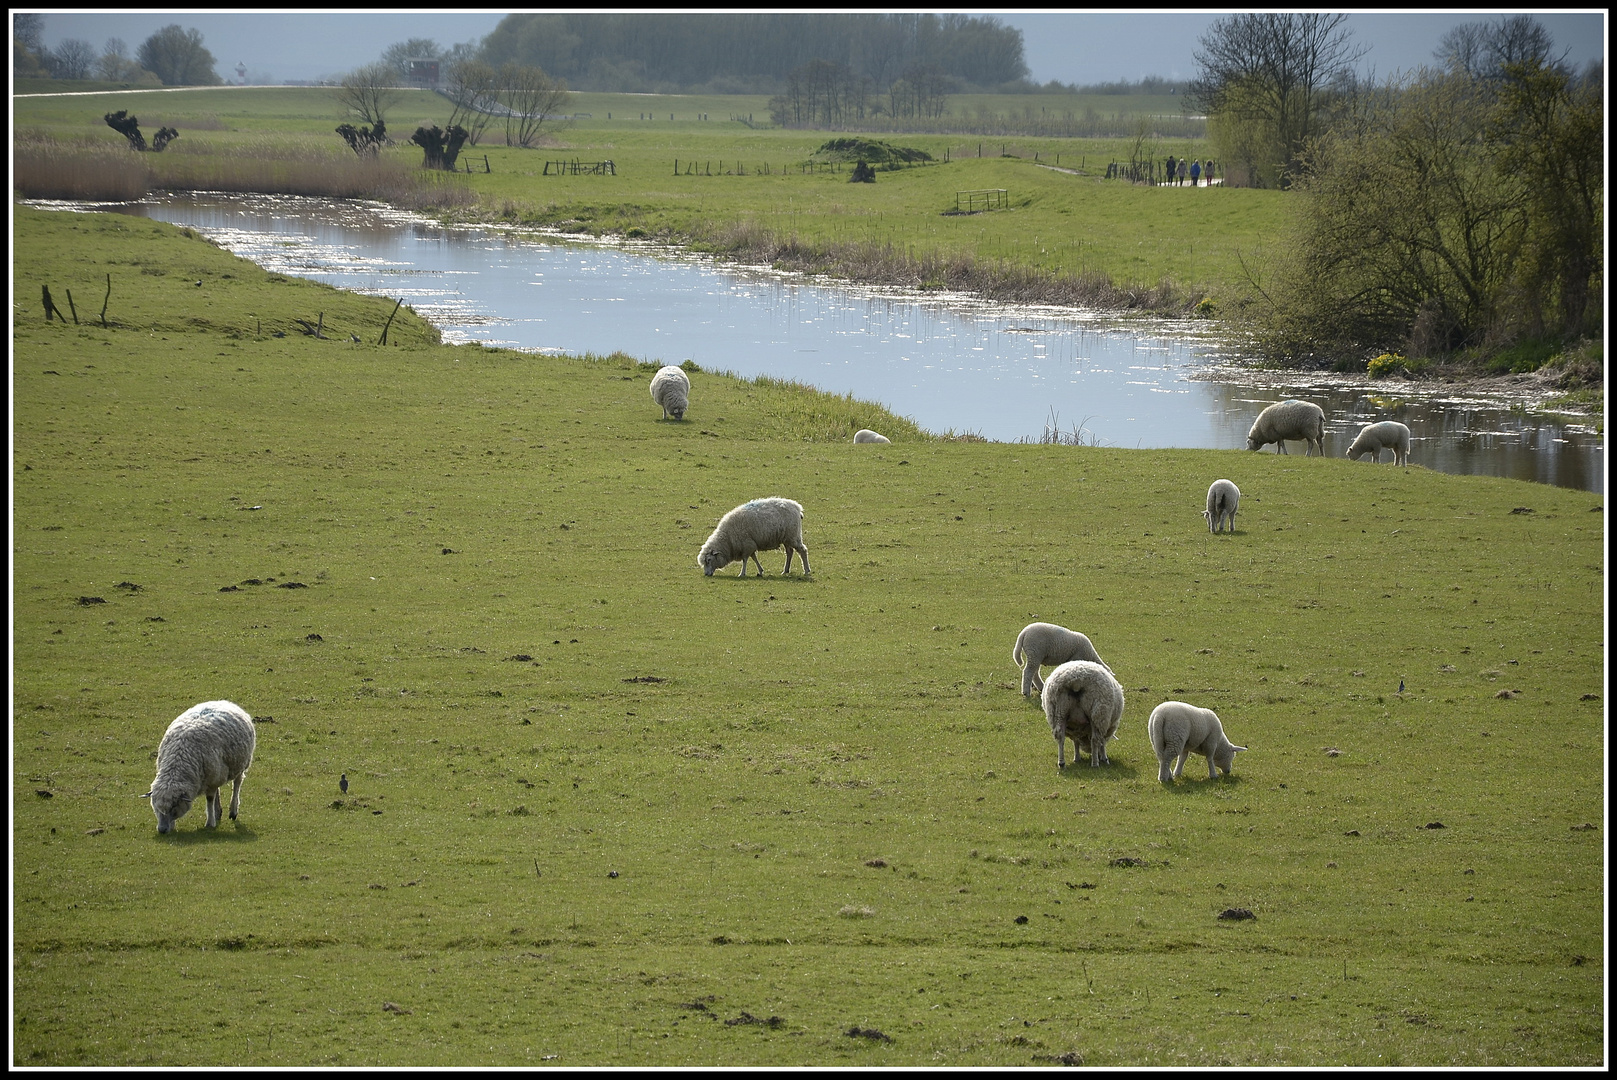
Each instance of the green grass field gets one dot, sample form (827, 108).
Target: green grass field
(607, 811)
(1183, 242)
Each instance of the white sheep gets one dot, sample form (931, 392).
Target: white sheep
(1289, 419)
(1177, 729)
(1388, 434)
(206, 745)
(759, 525)
(1044, 643)
(864, 435)
(1222, 499)
(671, 388)
(1083, 702)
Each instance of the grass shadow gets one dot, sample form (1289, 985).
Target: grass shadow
(241, 834)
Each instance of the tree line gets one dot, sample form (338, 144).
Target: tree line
(752, 53)
(173, 56)
(1455, 210)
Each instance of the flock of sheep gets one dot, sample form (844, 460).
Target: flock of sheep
(213, 742)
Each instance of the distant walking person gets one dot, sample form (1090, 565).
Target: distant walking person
(1170, 169)
(1183, 171)
(1196, 173)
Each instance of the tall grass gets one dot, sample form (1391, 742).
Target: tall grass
(994, 279)
(46, 169)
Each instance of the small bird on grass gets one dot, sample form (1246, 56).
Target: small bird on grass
(1400, 686)
(343, 783)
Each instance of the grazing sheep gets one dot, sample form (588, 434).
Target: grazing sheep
(1290, 419)
(671, 388)
(1043, 643)
(1222, 499)
(206, 745)
(1388, 434)
(1177, 729)
(759, 525)
(1083, 702)
(866, 435)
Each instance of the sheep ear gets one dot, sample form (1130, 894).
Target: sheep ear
(145, 796)
(1234, 747)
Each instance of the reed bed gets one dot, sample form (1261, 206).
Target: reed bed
(889, 264)
(46, 170)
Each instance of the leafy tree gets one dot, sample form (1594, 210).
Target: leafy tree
(28, 45)
(178, 58)
(1273, 73)
(1551, 132)
(368, 92)
(534, 103)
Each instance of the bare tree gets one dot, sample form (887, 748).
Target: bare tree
(473, 87)
(72, 59)
(398, 55)
(1274, 69)
(368, 92)
(1483, 50)
(535, 101)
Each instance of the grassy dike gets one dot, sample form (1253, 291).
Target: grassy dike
(606, 811)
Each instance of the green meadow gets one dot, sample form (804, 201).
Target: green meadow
(752, 192)
(604, 810)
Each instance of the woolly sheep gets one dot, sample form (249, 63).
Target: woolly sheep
(1387, 435)
(759, 525)
(1290, 419)
(1084, 703)
(866, 435)
(1043, 643)
(206, 745)
(1222, 499)
(671, 388)
(1177, 729)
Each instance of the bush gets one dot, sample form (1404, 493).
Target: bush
(1387, 364)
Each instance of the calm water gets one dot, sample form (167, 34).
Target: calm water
(946, 362)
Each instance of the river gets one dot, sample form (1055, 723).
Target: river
(950, 363)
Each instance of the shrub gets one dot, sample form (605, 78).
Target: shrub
(1387, 364)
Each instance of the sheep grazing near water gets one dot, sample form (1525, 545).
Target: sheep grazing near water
(759, 525)
(1177, 730)
(864, 435)
(671, 388)
(1084, 703)
(1387, 435)
(1222, 499)
(206, 745)
(1290, 419)
(1043, 643)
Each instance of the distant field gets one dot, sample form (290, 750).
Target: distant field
(1183, 242)
(604, 810)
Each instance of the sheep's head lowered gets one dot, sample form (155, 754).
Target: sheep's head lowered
(169, 804)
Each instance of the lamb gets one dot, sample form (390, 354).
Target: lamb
(759, 525)
(1289, 419)
(671, 388)
(1083, 702)
(1176, 729)
(1222, 499)
(866, 435)
(206, 745)
(1388, 434)
(1043, 643)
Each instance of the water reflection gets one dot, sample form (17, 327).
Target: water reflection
(950, 363)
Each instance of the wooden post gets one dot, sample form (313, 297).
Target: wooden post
(72, 308)
(321, 325)
(104, 302)
(383, 339)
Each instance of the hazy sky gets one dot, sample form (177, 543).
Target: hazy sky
(1079, 47)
